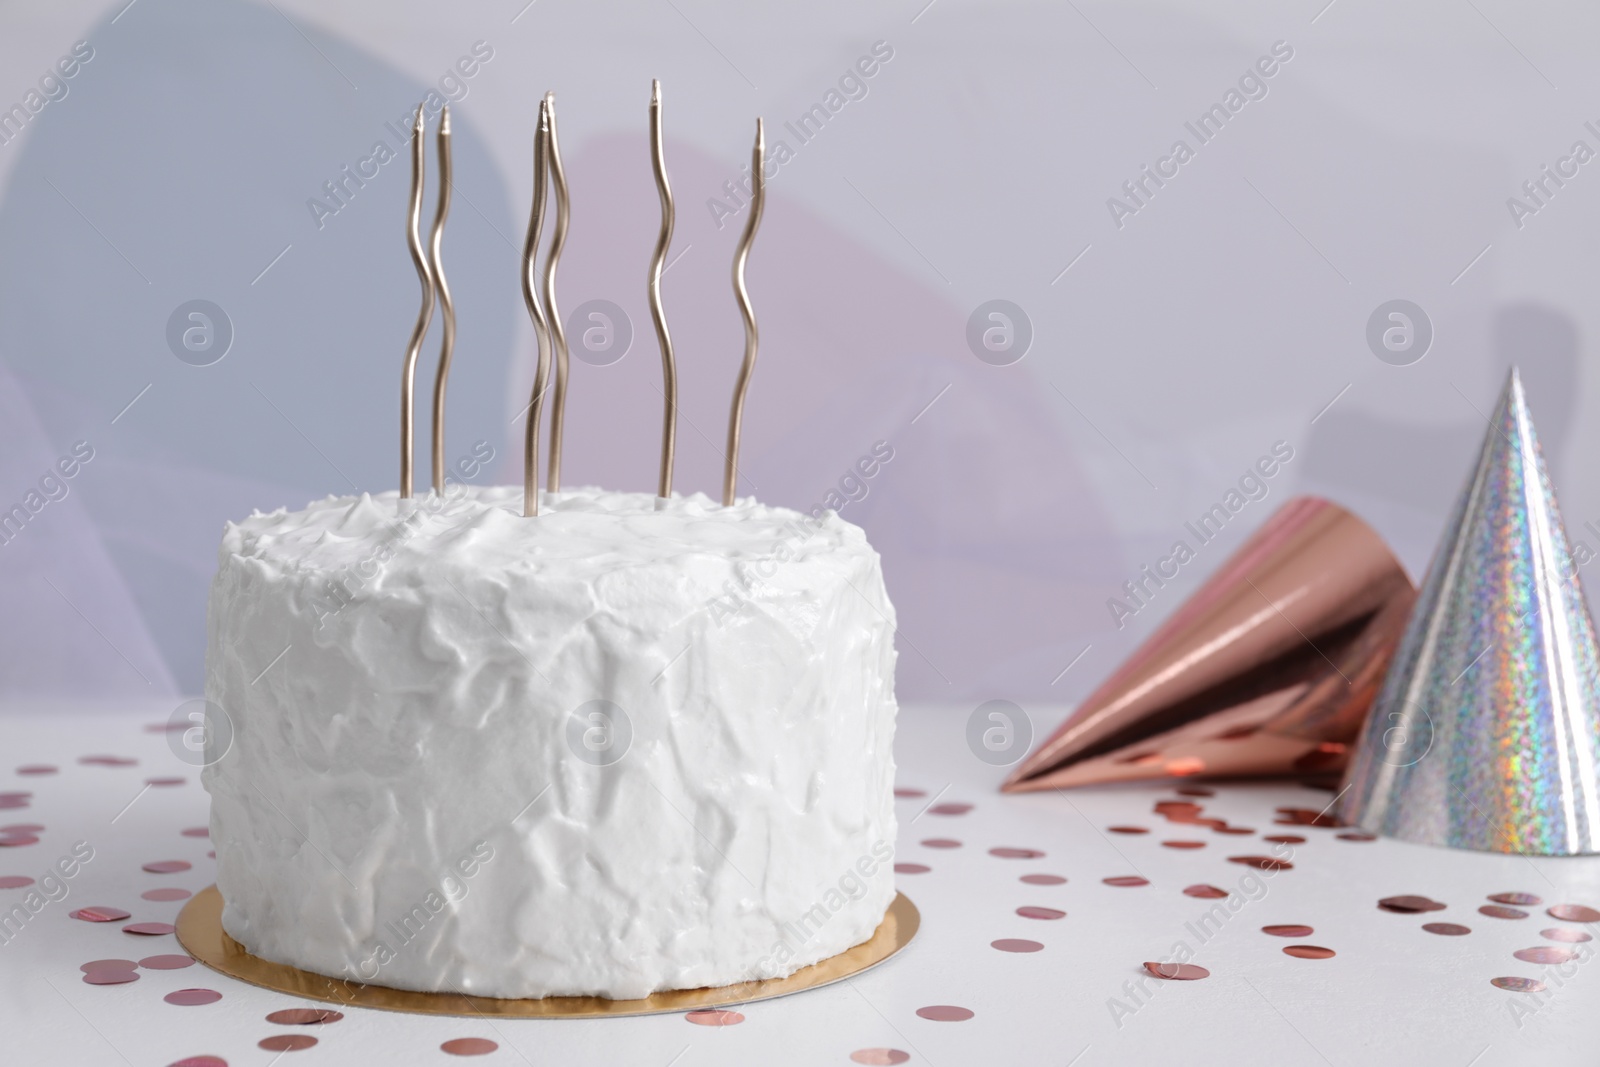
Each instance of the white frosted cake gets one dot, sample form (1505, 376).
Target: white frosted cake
(620, 747)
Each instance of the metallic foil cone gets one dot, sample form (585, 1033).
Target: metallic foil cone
(1485, 735)
(1267, 670)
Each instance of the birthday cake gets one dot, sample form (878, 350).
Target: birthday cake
(519, 743)
(628, 746)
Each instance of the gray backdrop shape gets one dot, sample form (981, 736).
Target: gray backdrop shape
(178, 167)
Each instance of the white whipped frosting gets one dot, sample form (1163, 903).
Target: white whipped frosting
(410, 800)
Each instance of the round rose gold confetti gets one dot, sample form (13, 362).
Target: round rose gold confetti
(1356, 835)
(879, 1057)
(1187, 818)
(12, 803)
(22, 828)
(167, 893)
(1177, 972)
(945, 1013)
(714, 1017)
(1561, 933)
(14, 881)
(1204, 892)
(99, 914)
(911, 868)
(107, 965)
(1196, 791)
(1183, 844)
(1263, 863)
(1447, 929)
(190, 998)
(1522, 900)
(168, 866)
(1288, 930)
(1016, 944)
(197, 831)
(1029, 911)
(304, 1016)
(286, 1042)
(1518, 985)
(17, 840)
(1573, 913)
(469, 1046)
(32, 769)
(169, 962)
(1308, 952)
(1410, 904)
(1239, 830)
(906, 792)
(1042, 879)
(107, 761)
(1546, 954)
(1285, 839)
(941, 842)
(1126, 881)
(1304, 817)
(1128, 829)
(1500, 911)
(1016, 853)
(148, 929)
(110, 977)
(200, 1061)
(159, 782)
(950, 808)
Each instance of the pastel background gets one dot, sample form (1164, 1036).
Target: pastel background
(1175, 339)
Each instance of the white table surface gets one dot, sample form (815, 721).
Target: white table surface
(1392, 994)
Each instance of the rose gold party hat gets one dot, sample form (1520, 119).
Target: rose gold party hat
(1268, 669)
(1487, 732)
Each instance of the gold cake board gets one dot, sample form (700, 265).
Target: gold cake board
(200, 932)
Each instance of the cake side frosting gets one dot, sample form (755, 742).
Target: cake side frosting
(624, 746)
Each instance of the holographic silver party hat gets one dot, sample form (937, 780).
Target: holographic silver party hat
(1486, 734)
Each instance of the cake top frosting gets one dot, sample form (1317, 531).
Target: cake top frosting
(587, 530)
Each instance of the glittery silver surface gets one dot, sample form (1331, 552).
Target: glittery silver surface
(1485, 734)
